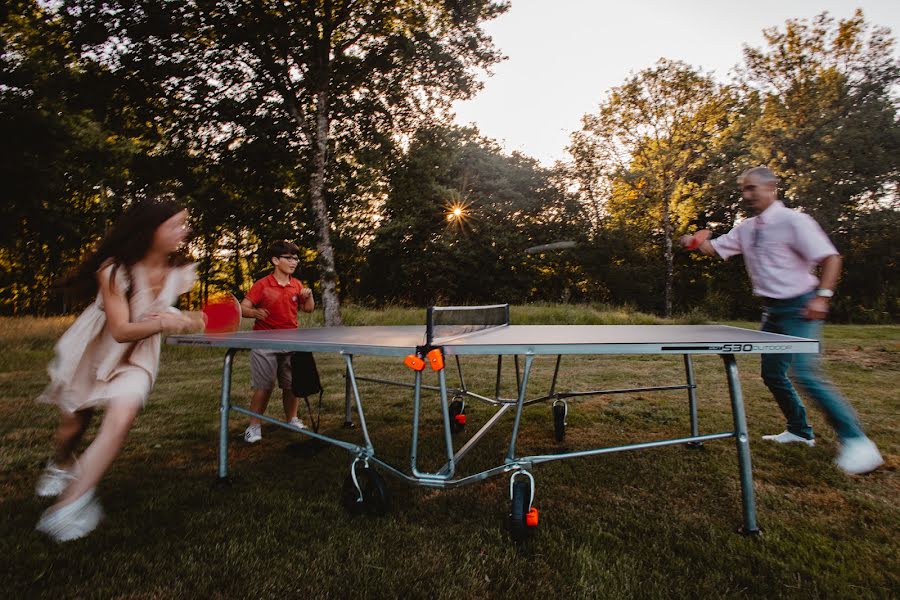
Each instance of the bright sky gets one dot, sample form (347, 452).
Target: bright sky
(564, 55)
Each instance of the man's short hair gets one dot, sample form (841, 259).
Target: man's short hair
(765, 174)
(280, 247)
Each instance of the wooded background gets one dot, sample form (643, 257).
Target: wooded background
(327, 123)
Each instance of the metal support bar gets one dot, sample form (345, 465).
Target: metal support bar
(500, 401)
(656, 388)
(552, 392)
(414, 448)
(529, 359)
(692, 394)
(742, 440)
(449, 467)
(518, 376)
(657, 444)
(448, 435)
(224, 407)
(308, 432)
(462, 380)
(348, 417)
(479, 434)
(351, 377)
(499, 367)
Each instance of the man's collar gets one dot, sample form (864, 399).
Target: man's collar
(771, 212)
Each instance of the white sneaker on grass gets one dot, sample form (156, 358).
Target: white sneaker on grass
(53, 481)
(253, 434)
(297, 423)
(72, 521)
(858, 456)
(786, 437)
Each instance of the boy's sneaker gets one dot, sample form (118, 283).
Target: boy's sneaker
(786, 437)
(72, 521)
(858, 456)
(53, 481)
(253, 434)
(297, 423)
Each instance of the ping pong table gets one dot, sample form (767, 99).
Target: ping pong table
(486, 331)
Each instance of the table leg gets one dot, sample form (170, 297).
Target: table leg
(742, 440)
(692, 400)
(224, 409)
(348, 393)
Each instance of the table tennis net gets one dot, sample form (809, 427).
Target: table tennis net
(449, 322)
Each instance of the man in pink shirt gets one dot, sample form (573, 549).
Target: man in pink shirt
(781, 247)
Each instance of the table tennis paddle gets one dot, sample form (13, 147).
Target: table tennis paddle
(223, 314)
(696, 240)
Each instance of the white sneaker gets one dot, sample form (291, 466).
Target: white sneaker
(858, 456)
(253, 434)
(297, 423)
(786, 437)
(53, 481)
(72, 521)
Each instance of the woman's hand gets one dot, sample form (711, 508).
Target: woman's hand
(178, 322)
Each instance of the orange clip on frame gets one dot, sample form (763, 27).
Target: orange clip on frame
(414, 362)
(436, 358)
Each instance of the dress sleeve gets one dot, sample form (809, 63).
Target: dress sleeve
(185, 278)
(122, 282)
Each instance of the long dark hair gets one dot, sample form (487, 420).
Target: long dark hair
(125, 243)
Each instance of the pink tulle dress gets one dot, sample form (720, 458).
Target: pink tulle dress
(91, 368)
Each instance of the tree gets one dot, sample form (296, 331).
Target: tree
(328, 80)
(69, 151)
(827, 114)
(423, 253)
(646, 151)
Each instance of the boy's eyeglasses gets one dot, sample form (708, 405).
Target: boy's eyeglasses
(286, 257)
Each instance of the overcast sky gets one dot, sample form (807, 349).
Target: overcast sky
(563, 55)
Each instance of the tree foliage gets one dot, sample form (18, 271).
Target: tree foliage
(325, 122)
(423, 254)
(826, 117)
(647, 146)
(329, 83)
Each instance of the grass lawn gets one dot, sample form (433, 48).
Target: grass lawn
(657, 523)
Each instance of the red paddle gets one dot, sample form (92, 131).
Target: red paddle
(697, 239)
(223, 314)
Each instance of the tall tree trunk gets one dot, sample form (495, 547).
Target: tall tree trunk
(206, 269)
(667, 230)
(238, 274)
(330, 300)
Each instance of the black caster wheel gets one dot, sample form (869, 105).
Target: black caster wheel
(457, 416)
(523, 518)
(560, 412)
(371, 497)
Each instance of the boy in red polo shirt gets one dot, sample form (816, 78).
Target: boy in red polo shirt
(273, 301)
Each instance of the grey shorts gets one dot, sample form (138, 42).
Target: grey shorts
(268, 365)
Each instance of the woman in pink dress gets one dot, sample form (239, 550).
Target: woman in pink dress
(110, 355)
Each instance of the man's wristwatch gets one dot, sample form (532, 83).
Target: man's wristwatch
(824, 293)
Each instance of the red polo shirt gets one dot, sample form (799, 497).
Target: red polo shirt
(282, 302)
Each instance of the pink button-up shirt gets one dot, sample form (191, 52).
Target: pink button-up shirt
(780, 247)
